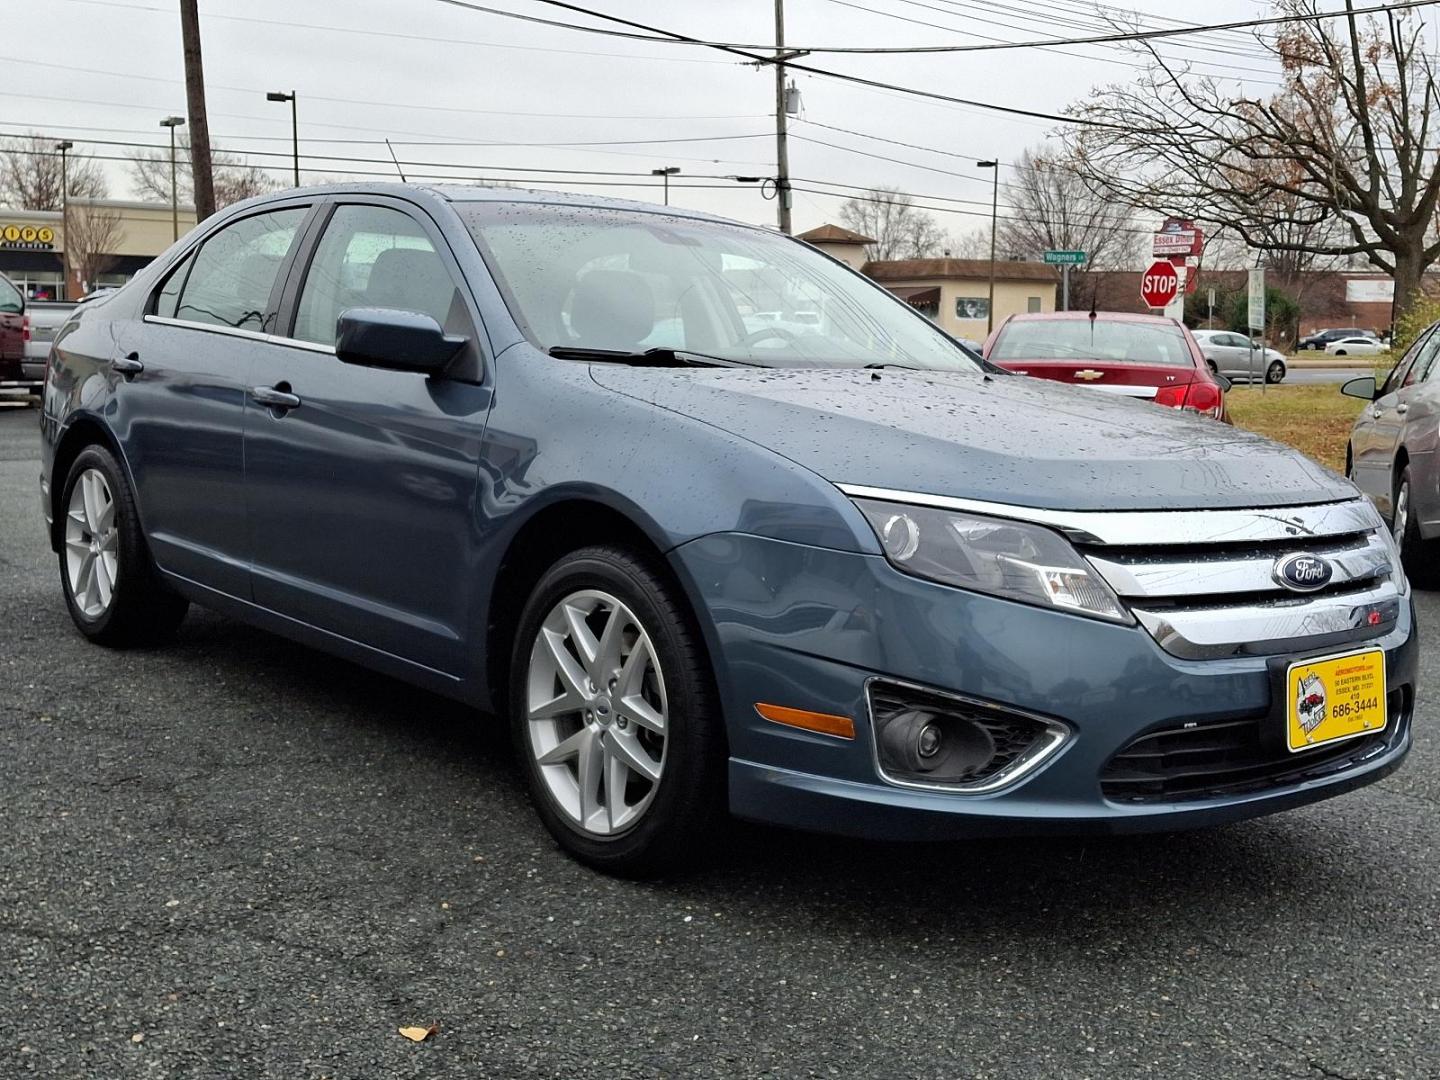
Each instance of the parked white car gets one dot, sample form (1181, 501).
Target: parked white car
(1228, 353)
(1357, 346)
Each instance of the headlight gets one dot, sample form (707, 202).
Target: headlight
(1005, 558)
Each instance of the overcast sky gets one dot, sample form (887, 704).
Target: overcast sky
(418, 70)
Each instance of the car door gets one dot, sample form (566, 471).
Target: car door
(1420, 436)
(179, 405)
(361, 490)
(1377, 432)
(1236, 356)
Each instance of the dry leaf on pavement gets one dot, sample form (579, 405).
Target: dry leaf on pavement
(419, 1034)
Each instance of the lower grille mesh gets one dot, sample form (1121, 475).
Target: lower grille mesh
(1229, 758)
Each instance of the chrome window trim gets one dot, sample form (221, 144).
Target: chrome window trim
(1057, 735)
(1160, 527)
(248, 335)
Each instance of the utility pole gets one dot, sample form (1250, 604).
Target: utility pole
(65, 148)
(782, 151)
(200, 165)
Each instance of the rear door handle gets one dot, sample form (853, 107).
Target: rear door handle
(1402, 409)
(128, 365)
(277, 397)
(1377, 413)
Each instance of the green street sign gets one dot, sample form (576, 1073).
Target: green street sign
(1065, 258)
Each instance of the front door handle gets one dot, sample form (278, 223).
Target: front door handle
(276, 397)
(128, 365)
(1376, 413)
(1402, 409)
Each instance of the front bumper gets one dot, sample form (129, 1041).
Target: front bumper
(808, 627)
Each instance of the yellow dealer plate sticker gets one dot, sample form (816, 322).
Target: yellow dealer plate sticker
(1335, 697)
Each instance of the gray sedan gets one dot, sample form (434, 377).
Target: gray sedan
(1230, 354)
(1392, 453)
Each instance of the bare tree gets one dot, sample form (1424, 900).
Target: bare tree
(1347, 138)
(30, 174)
(900, 231)
(92, 237)
(234, 179)
(1053, 209)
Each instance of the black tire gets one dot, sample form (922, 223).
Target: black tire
(1339, 352)
(1275, 372)
(1420, 557)
(688, 801)
(1211, 365)
(142, 611)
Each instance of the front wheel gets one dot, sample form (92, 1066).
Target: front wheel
(613, 715)
(1275, 372)
(112, 590)
(1420, 557)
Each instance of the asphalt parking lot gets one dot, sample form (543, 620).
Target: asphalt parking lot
(238, 857)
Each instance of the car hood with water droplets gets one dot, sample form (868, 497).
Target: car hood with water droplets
(1000, 438)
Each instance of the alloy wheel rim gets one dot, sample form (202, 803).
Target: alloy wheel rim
(92, 544)
(1402, 514)
(596, 712)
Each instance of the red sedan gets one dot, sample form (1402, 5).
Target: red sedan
(1141, 356)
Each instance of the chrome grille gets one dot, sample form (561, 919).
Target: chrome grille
(1215, 591)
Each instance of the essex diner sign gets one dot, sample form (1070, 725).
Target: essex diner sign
(16, 237)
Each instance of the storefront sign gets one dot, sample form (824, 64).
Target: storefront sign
(27, 237)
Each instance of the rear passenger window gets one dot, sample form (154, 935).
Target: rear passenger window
(168, 302)
(234, 273)
(10, 300)
(373, 256)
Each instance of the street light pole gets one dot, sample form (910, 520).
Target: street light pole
(667, 172)
(172, 122)
(276, 95)
(994, 218)
(65, 148)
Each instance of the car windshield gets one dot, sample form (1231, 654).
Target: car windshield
(624, 281)
(1092, 340)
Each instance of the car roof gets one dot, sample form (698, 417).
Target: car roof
(466, 193)
(1107, 316)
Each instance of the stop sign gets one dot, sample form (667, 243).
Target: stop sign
(1159, 284)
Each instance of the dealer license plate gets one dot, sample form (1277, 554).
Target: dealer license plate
(1335, 697)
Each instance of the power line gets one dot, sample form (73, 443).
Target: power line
(1100, 39)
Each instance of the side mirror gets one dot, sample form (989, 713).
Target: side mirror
(393, 339)
(1363, 388)
(1225, 384)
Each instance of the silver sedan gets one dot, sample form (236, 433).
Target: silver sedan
(1392, 455)
(1230, 354)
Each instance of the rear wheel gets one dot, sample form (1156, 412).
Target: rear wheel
(111, 587)
(1420, 557)
(1275, 372)
(613, 715)
(1211, 365)
(1339, 352)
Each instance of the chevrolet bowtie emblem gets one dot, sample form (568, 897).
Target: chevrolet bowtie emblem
(1089, 374)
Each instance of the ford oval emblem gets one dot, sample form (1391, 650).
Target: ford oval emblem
(1303, 573)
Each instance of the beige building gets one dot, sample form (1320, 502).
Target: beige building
(956, 292)
(849, 247)
(32, 244)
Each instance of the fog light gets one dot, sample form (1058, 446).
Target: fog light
(933, 739)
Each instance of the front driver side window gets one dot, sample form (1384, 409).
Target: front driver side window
(373, 256)
(234, 274)
(1397, 374)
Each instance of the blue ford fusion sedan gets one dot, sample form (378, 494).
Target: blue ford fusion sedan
(560, 458)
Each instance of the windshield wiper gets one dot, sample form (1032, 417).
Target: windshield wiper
(648, 358)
